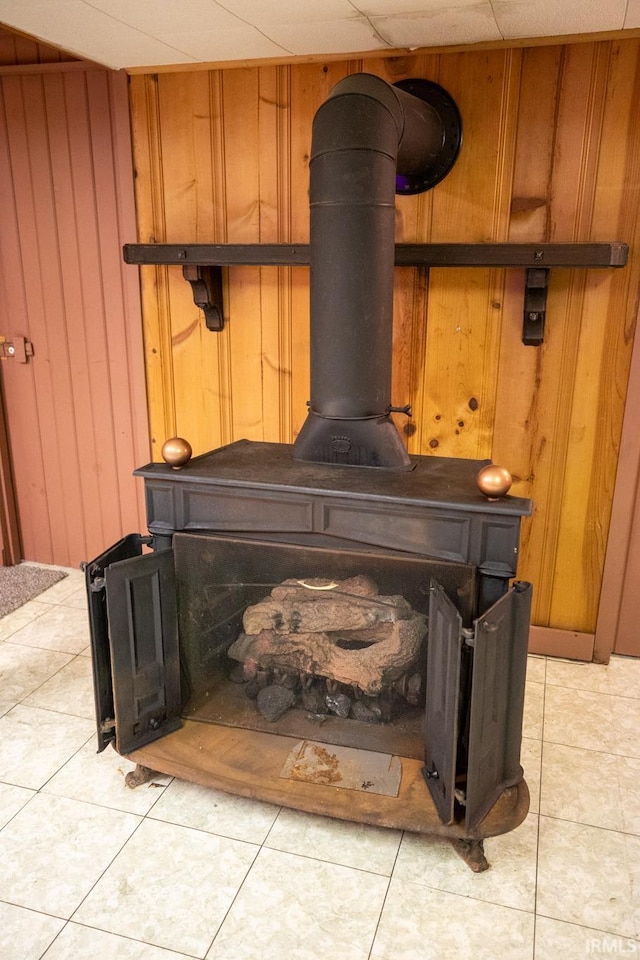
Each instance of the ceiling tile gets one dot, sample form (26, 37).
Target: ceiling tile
(242, 42)
(544, 18)
(632, 18)
(472, 23)
(398, 8)
(160, 17)
(261, 12)
(332, 36)
(138, 51)
(62, 23)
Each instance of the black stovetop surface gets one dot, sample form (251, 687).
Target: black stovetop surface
(441, 482)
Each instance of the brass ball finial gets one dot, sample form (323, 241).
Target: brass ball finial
(494, 481)
(176, 452)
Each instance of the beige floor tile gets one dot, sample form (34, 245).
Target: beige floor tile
(626, 726)
(12, 799)
(59, 628)
(533, 710)
(511, 881)
(419, 923)
(588, 875)
(5, 706)
(77, 599)
(23, 670)
(86, 943)
(69, 691)
(25, 934)
(579, 718)
(63, 589)
(531, 760)
(536, 669)
(620, 677)
(556, 940)
(99, 778)
(54, 851)
(19, 618)
(35, 743)
(292, 906)
(581, 785)
(336, 841)
(170, 886)
(629, 783)
(238, 818)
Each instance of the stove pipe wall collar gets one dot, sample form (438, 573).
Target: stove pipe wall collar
(370, 140)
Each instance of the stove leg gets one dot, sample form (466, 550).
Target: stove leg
(472, 852)
(135, 778)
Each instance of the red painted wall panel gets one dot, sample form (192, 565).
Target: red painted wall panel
(76, 413)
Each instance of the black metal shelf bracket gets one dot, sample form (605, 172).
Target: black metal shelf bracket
(202, 266)
(535, 305)
(206, 285)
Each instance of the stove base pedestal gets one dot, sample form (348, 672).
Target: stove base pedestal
(249, 763)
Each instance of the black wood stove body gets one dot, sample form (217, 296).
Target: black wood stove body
(249, 514)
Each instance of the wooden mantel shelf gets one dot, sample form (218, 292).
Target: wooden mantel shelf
(202, 265)
(407, 254)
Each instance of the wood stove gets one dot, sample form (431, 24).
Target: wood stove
(420, 732)
(235, 521)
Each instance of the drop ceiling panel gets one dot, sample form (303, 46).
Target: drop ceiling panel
(545, 18)
(632, 18)
(161, 17)
(261, 12)
(240, 42)
(468, 23)
(337, 36)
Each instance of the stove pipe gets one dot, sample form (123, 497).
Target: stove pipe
(364, 135)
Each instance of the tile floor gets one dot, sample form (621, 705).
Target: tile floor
(90, 869)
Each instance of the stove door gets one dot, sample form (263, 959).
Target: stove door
(444, 654)
(497, 701)
(130, 546)
(135, 645)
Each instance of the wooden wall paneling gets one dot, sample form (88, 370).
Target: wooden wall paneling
(75, 430)
(192, 196)
(13, 294)
(132, 431)
(119, 311)
(519, 438)
(10, 546)
(145, 124)
(585, 503)
(274, 139)
(79, 328)
(31, 167)
(541, 452)
(242, 165)
(616, 627)
(464, 317)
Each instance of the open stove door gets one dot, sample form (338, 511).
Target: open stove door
(134, 642)
(472, 759)
(497, 700)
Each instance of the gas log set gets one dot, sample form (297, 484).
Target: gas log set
(358, 644)
(334, 601)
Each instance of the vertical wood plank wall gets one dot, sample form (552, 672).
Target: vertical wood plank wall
(551, 152)
(76, 412)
